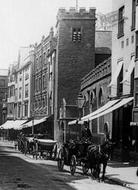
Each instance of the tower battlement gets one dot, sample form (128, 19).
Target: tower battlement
(72, 13)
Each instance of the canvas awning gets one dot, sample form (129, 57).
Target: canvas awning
(129, 70)
(18, 124)
(101, 109)
(116, 74)
(107, 108)
(121, 103)
(36, 122)
(13, 124)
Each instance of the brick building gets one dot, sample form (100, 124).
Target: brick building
(3, 94)
(75, 56)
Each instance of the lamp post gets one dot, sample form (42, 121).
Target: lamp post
(80, 102)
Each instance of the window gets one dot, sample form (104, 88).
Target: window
(122, 44)
(119, 84)
(132, 39)
(19, 110)
(136, 100)
(40, 84)
(136, 90)
(11, 91)
(76, 34)
(16, 93)
(26, 91)
(44, 58)
(2, 83)
(26, 109)
(127, 42)
(26, 75)
(136, 44)
(121, 22)
(101, 99)
(133, 14)
(132, 82)
(20, 92)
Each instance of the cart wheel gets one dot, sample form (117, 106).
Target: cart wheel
(73, 164)
(85, 169)
(60, 161)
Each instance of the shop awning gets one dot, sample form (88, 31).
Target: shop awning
(116, 74)
(11, 124)
(7, 125)
(107, 108)
(110, 109)
(129, 70)
(36, 122)
(18, 124)
(101, 109)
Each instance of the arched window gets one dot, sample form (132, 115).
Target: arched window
(100, 102)
(91, 97)
(132, 82)
(119, 83)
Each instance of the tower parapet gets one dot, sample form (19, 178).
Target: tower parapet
(72, 13)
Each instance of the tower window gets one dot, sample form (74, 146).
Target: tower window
(76, 34)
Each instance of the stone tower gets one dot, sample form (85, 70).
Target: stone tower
(75, 53)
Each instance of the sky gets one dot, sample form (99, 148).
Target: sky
(24, 22)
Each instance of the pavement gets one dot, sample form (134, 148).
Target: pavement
(122, 173)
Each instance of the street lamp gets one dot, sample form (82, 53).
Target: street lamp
(80, 102)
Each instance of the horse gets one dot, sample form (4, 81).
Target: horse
(98, 155)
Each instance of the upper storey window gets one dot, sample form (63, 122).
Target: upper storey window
(133, 14)
(121, 22)
(76, 34)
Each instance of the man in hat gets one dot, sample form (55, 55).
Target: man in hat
(86, 133)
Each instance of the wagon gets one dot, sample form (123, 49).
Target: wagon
(45, 148)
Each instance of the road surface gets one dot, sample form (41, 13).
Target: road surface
(20, 172)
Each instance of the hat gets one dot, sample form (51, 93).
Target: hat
(85, 123)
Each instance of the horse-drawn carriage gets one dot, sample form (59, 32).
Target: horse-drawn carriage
(84, 153)
(45, 148)
(73, 153)
(37, 145)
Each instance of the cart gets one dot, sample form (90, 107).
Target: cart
(45, 148)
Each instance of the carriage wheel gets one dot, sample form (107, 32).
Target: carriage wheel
(60, 161)
(73, 164)
(85, 169)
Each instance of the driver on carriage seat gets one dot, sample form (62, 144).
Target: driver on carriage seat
(86, 133)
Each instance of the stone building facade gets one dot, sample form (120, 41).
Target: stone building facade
(19, 86)
(43, 77)
(135, 106)
(94, 89)
(123, 68)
